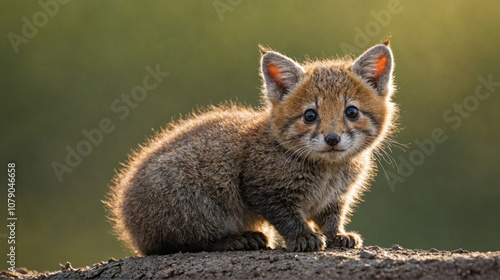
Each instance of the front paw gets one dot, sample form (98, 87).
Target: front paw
(346, 240)
(307, 243)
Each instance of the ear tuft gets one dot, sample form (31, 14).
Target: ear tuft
(375, 67)
(281, 75)
(263, 50)
(387, 40)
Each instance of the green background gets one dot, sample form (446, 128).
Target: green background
(66, 77)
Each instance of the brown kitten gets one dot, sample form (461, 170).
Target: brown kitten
(222, 180)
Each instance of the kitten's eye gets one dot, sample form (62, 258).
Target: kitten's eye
(310, 116)
(352, 113)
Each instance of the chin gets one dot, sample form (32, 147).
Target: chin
(331, 155)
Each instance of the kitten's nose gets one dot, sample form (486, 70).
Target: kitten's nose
(332, 139)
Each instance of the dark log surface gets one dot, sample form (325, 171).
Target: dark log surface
(367, 262)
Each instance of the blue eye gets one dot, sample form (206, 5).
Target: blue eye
(352, 113)
(310, 116)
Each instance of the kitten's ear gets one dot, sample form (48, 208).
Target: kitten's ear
(375, 67)
(281, 75)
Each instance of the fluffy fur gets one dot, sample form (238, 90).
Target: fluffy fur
(226, 178)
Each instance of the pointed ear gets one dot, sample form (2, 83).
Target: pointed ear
(281, 75)
(375, 67)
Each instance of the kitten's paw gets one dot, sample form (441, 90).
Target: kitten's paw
(307, 243)
(346, 240)
(254, 240)
(250, 240)
(246, 241)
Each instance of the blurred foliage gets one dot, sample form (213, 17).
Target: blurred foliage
(66, 77)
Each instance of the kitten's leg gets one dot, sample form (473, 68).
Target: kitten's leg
(331, 222)
(286, 219)
(298, 236)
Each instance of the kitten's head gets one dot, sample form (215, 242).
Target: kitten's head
(331, 109)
